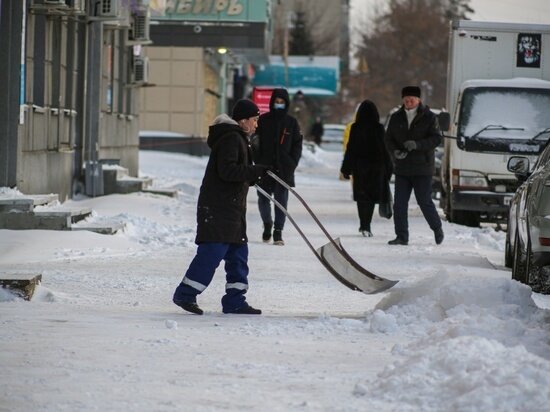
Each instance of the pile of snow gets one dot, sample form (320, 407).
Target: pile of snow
(478, 345)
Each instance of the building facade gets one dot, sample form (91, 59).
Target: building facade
(73, 69)
(199, 60)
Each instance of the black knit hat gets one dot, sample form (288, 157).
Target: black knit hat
(410, 91)
(245, 109)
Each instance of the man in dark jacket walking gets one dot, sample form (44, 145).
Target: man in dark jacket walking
(221, 213)
(411, 138)
(279, 146)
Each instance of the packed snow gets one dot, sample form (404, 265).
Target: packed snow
(101, 333)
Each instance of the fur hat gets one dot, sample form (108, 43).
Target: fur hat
(410, 91)
(244, 109)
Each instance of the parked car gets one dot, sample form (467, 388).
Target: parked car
(527, 249)
(333, 136)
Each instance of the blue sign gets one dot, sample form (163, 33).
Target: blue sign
(313, 76)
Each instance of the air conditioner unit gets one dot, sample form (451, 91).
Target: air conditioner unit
(55, 3)
(139, 27)
(108, 8)
(76, 6)
(140, 72)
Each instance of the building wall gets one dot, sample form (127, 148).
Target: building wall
(177, 101)
(53, 143)
(211, 100)
(46, 136)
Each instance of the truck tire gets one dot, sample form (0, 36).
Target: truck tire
(464, 217)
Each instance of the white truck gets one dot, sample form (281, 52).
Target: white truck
(498, 102)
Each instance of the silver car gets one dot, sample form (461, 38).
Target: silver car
(527, 249)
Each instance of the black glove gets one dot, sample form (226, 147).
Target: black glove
(399, 154)
(410, 145)
(262, 170)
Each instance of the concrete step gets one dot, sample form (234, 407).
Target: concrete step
(103, 228)
(42, 200)
(162, 192)
(21, 284)
(114, 171)
(16, 205)
(45, 219)
(25, 203)
(76, 214)
(29, 221)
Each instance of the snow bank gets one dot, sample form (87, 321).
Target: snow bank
(475, 337)
(7, 296)
(464, 374)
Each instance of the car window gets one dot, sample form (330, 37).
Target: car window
(544, 157)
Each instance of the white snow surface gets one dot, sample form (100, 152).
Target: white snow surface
(101, 333)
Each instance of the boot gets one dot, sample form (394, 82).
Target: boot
(189, 307)
(439, 236)
(266, 236)
(245, 310)
(278, 237)
(398, 241)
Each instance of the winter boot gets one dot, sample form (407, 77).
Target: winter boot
(398, 241)
(266, 236)
(366, 233)
(278, 237)
(189, 307)
(245, 310)
(439, 236)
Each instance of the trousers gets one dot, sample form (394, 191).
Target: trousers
(422, 186)
(203, 266)
(280, 194)
(365, 210)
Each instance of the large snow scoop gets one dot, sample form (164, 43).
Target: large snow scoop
(332, 255)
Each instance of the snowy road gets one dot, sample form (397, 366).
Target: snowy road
(101, 334)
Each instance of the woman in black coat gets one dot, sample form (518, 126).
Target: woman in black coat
(367, 160)
(221, 213)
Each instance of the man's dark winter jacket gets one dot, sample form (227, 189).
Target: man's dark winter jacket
(424, 131)
(279, 142)
(221, 209)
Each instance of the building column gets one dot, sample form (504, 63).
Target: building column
(92, 96)
(11, 26)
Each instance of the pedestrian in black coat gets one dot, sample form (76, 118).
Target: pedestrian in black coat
(411, 138)
(221, 213)
(367, 160)
(278, 145)
(317, 130)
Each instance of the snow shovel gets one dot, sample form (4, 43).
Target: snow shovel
(332, 255)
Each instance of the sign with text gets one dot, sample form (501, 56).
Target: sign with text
(210, 10)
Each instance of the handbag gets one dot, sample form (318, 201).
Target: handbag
(385, 209)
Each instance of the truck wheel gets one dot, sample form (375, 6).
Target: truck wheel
(444, 204)
(465, 218)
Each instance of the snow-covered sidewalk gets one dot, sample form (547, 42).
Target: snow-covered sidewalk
(101, 333)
